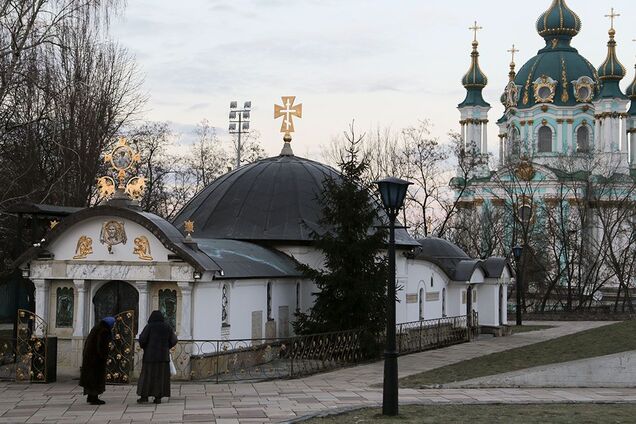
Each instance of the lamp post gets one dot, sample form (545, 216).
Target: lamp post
(393, 192)
(517, 251)
(239, 124)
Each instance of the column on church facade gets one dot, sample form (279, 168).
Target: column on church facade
(502, 150)
(79, 318)
(598, 139)
(41, 302)
(484, 138)
(624, 136)
(463, 124)
(560, 140)
(632, 148)
(185, 330)
(142, 288)
(607, 134)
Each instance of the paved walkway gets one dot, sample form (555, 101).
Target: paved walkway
(282, 401)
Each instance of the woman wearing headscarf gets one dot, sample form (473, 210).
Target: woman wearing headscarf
(156, 339)
(93, 370)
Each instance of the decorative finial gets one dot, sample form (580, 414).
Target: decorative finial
(188, 226)
(53, 223)
(612, 15)
(288, 111)
(122, 160)
(475, 28)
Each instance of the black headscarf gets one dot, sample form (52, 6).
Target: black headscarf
(156, 316)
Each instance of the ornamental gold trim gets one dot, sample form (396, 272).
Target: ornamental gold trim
(83, 248)
(541, 83)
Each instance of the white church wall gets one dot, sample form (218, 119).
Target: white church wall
(419, 278)
(488, 305)
(66, 247)
(456, 299)
(206, 317)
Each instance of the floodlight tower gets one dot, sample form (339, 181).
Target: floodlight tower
(239, 124)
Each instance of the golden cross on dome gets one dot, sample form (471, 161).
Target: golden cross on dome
(475, 28)
(288, 111)
(513, 51)
(612, 15)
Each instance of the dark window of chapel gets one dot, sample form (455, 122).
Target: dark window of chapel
(64, 307)
(168, 306)
(583, 139)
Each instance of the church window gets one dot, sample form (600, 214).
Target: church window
(421, 304)
(525, 213)
(298, 297)
(515, 142)
(545, 140)
(583, 139)
(269, 302)
(168, 306)
(64, 307)
(431, 281)
(443, 302)
(225, 305)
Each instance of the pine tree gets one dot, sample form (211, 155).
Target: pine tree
(352, 287)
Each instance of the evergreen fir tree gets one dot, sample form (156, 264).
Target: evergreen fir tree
(352, 287)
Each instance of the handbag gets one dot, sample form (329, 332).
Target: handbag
(173, 369)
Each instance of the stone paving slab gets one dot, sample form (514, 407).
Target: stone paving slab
(286, 400)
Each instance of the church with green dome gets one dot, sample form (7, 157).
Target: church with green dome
(566, 152)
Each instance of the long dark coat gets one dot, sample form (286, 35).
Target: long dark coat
(156, 339)
(93, 371)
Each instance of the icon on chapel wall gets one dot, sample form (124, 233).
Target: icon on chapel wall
(142, 248)
(122, 160)
(113, 233)
(84, 247)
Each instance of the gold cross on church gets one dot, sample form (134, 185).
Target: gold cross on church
(288, 111)
(612, 15)
(475, 28)
(513, 51)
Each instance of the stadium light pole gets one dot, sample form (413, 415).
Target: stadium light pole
(239, 124)
(392, 192)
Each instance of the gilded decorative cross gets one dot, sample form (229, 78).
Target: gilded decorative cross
(513, 51)
(612, 15)
(288, 111)
(475, 28)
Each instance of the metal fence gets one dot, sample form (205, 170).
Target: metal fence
(267, 359)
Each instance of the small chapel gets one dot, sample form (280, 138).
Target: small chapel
(226, 267)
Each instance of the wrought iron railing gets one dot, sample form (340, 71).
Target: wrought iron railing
(263, 359)
(418, 336)
(267, 359)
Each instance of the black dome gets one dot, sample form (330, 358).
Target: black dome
(274, 199)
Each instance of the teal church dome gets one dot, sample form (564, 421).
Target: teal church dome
(558, 61)
(558, 21)
(474, 81)
(612, 71)
(631, 93)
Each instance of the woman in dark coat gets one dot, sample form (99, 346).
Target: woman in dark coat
(156, 340)
(93, 370)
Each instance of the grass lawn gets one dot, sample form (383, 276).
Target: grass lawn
(527, 328)
(605, 340)
(487, 414)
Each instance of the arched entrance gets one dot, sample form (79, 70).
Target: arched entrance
(115, 297)
(16, 292)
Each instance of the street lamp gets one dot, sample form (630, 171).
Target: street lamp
(517, 251)
(239, 124)
(393, 192)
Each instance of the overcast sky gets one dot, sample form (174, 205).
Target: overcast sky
(380, 62)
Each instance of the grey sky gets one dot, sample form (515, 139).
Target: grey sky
(381, 62)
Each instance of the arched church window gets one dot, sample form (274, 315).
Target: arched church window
(431, 281)
(583, 139)
(225, 305)
(525, 213)
(421, 304)
(545, 140)
(168, 306)
(443, 302)
(269, 302)
(64, 307)
(515, 142)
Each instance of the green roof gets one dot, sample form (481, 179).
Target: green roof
(558, 21)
